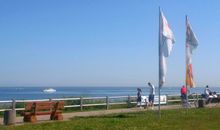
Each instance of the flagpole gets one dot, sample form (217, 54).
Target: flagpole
(159, 84)
(191, 44)
(165, 43)
(186, 64)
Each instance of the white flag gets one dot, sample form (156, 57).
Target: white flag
(166, 41)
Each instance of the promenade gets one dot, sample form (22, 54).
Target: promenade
(68, 116)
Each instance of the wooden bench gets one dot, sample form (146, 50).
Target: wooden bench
(33, 109)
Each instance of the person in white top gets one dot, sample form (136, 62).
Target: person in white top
(207, 92)
(209, 95)
(151, 94)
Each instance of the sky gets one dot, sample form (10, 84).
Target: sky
(104, 42)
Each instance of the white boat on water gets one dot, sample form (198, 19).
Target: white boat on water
(49, 90)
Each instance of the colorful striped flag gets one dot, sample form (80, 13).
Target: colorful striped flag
(191, 44)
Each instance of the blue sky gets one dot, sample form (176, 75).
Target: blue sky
(103, 42)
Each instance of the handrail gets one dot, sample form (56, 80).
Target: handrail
(94, 98)
(7, 101)
(106, 101)
(119, 97)
(37, 100)
(63, 99)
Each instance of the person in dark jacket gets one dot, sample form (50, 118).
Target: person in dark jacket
(139, 93)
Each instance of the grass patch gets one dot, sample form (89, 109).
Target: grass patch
(181, 119)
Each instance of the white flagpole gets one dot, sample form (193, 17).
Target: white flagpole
(186, 62)
(159, 84)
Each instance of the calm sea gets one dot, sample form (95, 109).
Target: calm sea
(7, 93)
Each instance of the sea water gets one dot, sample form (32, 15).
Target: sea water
(8, 93)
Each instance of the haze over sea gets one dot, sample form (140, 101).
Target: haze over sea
(7, 93)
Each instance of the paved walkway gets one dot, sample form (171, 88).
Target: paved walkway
(68, 116)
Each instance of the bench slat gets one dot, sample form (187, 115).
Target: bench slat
(43, 113)
(41, 108)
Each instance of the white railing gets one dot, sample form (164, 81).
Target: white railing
(82, 102)
(106, 101)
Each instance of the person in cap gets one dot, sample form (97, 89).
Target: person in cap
(151, 94)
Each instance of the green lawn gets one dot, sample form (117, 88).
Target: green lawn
(193, 119)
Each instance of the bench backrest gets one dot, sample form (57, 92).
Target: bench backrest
(46, 106)
(145, 99)
(163, 100)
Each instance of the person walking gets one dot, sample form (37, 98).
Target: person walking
(183, 92)
(183, 96)
(139, 93)
(151, 94)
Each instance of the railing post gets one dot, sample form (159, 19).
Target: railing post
(50, 100)
(10, 115)
(107, 102)
(197, 100)
(129, 101)
(13, 105)
(81, 103)
(166, 99)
